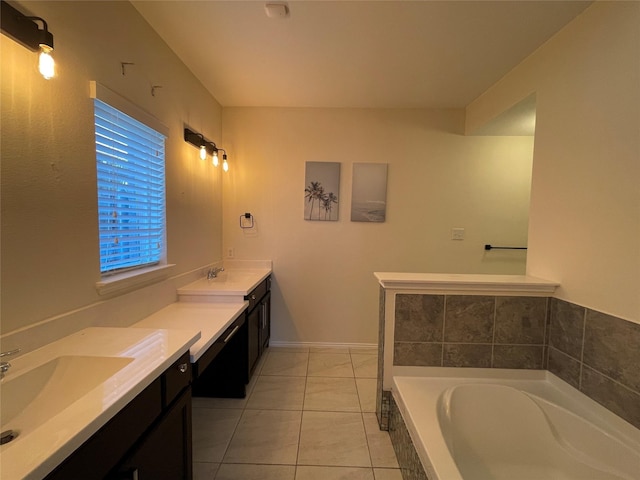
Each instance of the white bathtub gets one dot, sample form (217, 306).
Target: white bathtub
(490, 424)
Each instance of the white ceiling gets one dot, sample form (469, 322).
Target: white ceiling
(370, 54)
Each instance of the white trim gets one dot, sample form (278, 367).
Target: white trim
(133, 279)
(99, 91)
(473, 284)
(322, 345)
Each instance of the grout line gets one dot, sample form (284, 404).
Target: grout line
(444, 326)
(493, 332)
(617, 382)
(304, 396)
(584, 328)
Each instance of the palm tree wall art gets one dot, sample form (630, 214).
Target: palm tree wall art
(322, 185)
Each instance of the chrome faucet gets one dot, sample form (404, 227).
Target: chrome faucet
(5, 366)
(213, 272)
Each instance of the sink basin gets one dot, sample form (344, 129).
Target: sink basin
(31, 398)
(233, 277)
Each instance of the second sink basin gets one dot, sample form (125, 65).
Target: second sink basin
(33, 397)
(232, 277)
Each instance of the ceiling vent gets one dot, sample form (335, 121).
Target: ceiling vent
(277, 10)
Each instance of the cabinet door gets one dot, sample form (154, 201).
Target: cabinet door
(253, 321)
(265, 322)
(165, 453)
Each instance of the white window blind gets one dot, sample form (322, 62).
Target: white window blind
(131, 191)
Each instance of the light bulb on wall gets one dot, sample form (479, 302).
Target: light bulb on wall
(27, 31)
(46, 64)
(215, 158)
(225, 165)
(203, 152)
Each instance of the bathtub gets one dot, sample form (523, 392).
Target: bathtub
(491, 424)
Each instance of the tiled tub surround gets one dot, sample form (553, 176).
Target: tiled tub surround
(469, 331)
(408, 459)
(598, 354)
(458, 320)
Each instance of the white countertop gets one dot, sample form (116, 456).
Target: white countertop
(466, 283)
(210, 318)
(235, 282)
(40, 447)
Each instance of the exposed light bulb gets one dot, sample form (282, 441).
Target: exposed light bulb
(225, 165)
(215, 158)
(46, 64)
(203, 152)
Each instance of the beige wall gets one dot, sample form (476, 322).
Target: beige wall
(324, 289)
(584, 226)
(49, 229)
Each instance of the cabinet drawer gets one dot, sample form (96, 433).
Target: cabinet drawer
(257, 293)
(175, 379)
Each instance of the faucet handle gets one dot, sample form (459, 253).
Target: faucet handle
(10, 352)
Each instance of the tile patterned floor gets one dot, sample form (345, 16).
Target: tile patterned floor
(309, 415)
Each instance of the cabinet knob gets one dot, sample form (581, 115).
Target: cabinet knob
(183, 367)
(253, 297)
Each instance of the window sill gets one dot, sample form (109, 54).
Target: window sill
(122, 282)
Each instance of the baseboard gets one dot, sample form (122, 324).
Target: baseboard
(310, 345)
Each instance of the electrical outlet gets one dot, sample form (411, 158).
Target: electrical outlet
(457, 234)
(230, 252)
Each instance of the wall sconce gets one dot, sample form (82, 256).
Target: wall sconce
(206, 148)
(25, 31)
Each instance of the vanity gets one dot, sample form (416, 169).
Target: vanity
(97, 403)
(115, 403)
(224, 366)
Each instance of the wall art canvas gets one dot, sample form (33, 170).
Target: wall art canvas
(369, 192)
(321, 190)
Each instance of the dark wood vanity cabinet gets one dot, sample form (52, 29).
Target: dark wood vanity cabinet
(150, 438)
(258, 322)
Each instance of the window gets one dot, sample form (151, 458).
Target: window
(131, 190)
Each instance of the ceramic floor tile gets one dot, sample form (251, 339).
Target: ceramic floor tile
(330, 365)
(331, 394)
(265, 436)
(277, 393)
(333, 439)
(226, 403)
(387, 474)
(260, 365)
(235, 471)
(204, 471)
(334, 473)
(367, 393)
(380, 447)
(286, 364)
(365, 366)
(212, 432)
